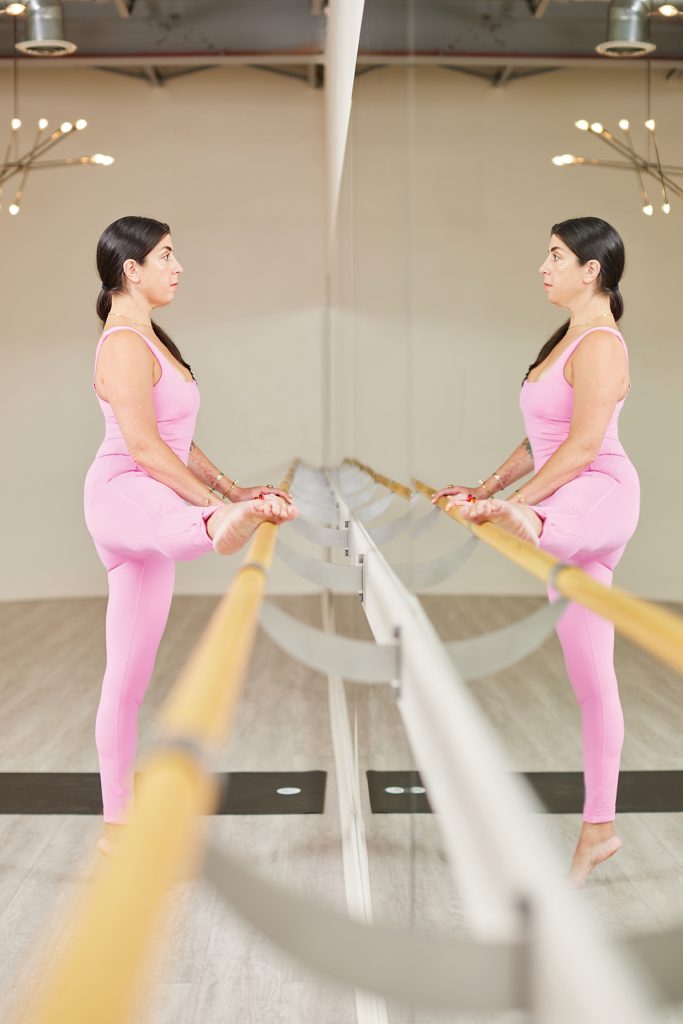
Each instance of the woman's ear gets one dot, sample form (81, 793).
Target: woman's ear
(591, 271)
(132, 271)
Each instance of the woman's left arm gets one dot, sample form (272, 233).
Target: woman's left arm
(598, 373)
(225, 486)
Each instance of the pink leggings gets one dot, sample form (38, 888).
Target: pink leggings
(589, 522)
(140, 528)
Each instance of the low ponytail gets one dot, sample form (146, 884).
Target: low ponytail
(616, 303)
(103, 303)
(171, 346)
(550, 344)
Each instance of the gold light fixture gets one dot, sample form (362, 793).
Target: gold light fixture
(642, 165)
(19, 162)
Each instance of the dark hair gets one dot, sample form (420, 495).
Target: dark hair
(590, 238)
(129, 238)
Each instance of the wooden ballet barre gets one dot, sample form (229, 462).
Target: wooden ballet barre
(98, 975)
(656, 630)
(385, 481)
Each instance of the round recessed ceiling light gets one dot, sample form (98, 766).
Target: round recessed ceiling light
(625, 48)
(46, 47)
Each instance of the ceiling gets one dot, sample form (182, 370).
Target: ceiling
(157, 39)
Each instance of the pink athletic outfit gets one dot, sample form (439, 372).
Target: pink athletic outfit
(141, 528)
(587, 521)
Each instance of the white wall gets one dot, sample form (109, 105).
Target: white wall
(471, 228)
(233, 160)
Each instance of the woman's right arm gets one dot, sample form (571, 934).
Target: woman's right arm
(125, 377)
(519, 464)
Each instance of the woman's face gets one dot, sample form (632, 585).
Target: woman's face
(159, 274)
(565, 280)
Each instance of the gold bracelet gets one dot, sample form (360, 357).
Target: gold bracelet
(219, 477)
(231, 487)
(208, 496)
(520, 497)
(482, 484)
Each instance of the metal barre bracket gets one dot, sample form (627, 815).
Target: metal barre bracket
(358, 661)
(427, 970)
(341, 579)
(481, 655)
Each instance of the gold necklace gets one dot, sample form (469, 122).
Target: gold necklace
(584, 322)
(124, 317)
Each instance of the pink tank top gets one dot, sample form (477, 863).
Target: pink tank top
(547, 406)
(176, 404)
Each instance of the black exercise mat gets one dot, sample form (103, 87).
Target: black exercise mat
(649, 792)
(241, 793)
(407, 797)
(257, 793)
(652, 792)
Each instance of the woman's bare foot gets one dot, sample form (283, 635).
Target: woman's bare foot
(519, 520)
(108, 843)
(231, 526)
(597, 843)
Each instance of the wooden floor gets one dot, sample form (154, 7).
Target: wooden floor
(215, 970)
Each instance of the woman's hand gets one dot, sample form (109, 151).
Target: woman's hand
(458, 493)
(265, 491)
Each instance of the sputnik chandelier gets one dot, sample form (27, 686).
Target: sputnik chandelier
(19, 164)
(642, 165)
(649, 165)
(15, 164)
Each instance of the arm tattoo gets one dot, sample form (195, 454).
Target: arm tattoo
(527, 447)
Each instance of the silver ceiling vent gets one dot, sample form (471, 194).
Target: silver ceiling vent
(628, 29)
(44, 30)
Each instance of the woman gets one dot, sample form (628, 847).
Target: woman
(582, 502)
(151, 495)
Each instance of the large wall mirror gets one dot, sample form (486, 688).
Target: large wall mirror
(449, 195)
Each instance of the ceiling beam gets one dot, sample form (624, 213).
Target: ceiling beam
(502, 76)
(316, 75)
(538, 7)
(125, 7)
(454, 61)
(154, 77)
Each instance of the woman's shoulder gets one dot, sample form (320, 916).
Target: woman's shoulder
(605, 338)
(129, 342)
(600, 350)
